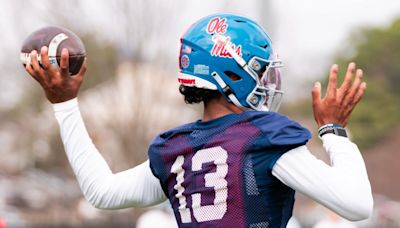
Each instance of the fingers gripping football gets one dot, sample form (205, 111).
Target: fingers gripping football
(338, 103)
(57, 84)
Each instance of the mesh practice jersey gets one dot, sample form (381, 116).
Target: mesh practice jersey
(217, 173)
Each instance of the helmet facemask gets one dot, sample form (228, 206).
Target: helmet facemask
(269, 80)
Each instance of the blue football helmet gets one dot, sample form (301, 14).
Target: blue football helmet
(234, 55)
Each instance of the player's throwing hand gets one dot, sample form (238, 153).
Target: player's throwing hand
(58, 85)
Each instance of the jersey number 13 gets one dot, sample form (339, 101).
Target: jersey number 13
(216, 179)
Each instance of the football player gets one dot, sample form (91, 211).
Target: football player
(240, 165)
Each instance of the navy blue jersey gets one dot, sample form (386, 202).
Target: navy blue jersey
(218, 173)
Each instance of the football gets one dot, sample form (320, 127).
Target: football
(55, 38)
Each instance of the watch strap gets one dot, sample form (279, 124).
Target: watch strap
(332, 129)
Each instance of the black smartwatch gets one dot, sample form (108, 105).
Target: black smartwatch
(332, 129)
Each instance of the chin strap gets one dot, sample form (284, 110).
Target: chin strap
(227, 91)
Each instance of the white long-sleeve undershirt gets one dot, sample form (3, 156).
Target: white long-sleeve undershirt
(135, 187)
(343, 187)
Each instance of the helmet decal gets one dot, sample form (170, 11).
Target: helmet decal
(219, 47)
(185, 61)
(186, 49)
(217, 25)
(201, 69)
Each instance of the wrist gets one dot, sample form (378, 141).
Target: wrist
(60, 99)
(332, 128)
(65, 105)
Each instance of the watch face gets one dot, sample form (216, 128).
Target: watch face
(341, 132)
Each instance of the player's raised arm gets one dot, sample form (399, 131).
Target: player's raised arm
(344, 186)
(134, 187)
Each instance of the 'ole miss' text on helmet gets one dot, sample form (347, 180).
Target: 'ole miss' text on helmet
(234, 55)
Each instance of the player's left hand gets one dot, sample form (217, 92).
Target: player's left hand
(338, 103)
(57, 84)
